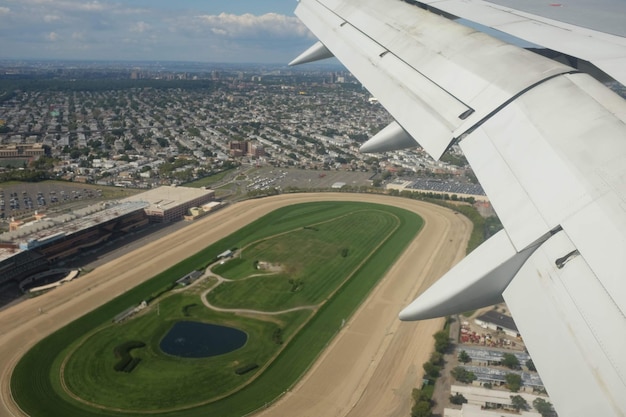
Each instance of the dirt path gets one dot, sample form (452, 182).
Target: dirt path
(369, 369)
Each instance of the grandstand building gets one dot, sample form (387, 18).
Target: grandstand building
(32, 248)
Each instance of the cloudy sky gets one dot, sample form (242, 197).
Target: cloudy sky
(264, 31)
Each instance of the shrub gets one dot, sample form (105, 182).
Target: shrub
(458, 399)
(126, 362)
(246, 369)
(188, 307)
(277, 336)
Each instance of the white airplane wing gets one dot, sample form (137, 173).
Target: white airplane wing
(547, 143)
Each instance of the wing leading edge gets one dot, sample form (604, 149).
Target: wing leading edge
(547, 144)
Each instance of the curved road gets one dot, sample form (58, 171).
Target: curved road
(370, 368)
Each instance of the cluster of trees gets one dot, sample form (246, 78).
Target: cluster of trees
(263, 193)
(422, 401)
(542, 406)
(463, 375)
(25, 175)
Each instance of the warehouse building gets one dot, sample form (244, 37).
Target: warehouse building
(498, 322)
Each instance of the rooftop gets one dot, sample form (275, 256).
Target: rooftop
(499, 319)
(68, 223)
(167, 197)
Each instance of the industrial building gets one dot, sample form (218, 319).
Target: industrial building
(22, 150)
(492, 357)
(170, 203)
(497, 377)
(481, 400)
(499, 322)
(472, 410)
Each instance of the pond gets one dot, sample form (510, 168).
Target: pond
(192, 339)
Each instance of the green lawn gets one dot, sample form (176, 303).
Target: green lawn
(210, 180)
(313, 262)
(162, 381)
(159, 382)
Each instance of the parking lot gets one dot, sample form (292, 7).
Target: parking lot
(305, 179)
(21, 200)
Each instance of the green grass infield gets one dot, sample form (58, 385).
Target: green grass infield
(317, 260)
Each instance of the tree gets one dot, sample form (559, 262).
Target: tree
(513, 381)
(421, 403)
(442, 341)
(421, 409)
(519, 403)
(458, 399)
(510, 361)
(419, 395)
(463, 375)
(464, 357)
(437, 358)
(544, 407)
(531, 365)
(431, 369)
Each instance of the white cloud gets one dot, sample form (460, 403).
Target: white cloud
(249, 26)
(4, 11)
(51, 18)
(139, 27)
(52, 36)
(78, 36)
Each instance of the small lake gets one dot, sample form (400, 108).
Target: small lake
(192, 339)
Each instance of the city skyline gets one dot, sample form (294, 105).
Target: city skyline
(152, 30)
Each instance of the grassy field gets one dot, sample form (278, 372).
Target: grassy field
(311, 262)
(81, 347)
(162, 381)
(210, 180)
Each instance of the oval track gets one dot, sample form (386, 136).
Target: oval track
(369, 368)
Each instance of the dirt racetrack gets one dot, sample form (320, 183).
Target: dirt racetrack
(369, 369)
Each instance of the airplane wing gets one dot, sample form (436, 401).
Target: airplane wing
(547, 143)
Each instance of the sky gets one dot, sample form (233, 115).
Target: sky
(228, 31)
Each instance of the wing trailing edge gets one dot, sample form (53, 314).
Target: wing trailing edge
(477, 281)
(437, 78)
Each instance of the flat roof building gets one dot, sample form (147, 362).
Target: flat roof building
(498, 321)
(490, 399)
(170, 203)
(472, 410)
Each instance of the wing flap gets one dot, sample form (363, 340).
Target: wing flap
(436, 77)
(606, 51)
(409, 95)
(541, 158)
(475, 282)
(580, 343)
